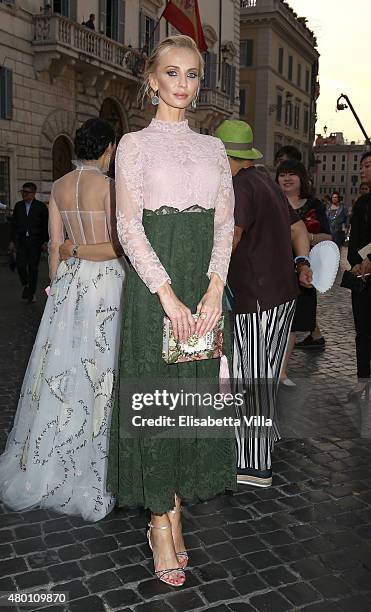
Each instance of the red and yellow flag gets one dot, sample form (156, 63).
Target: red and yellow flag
(185, 17)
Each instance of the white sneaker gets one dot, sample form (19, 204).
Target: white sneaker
(287, 382)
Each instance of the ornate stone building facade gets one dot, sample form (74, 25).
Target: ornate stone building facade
(278, 77)
(55, 73)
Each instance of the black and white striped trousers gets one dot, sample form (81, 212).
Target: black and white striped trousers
(260, 342)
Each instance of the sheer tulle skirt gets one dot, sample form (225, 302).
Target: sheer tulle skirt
(56, 454)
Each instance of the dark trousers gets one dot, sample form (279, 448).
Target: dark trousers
(361, 304)
(28, 259)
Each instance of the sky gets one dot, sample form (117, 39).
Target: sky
(343, 32)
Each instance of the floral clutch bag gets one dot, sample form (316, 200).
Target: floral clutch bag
(196, 348)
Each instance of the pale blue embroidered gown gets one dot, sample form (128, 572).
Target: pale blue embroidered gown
(56, 454)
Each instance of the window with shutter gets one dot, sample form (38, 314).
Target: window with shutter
(296, 117)
(299, 75)
(226, 76)
(102, 16)
(288, 114)
(118, 20)
(279, 107)
(289, 72)
(242, 111)
(5, 181)
(73, 10)
(148, 36)
(6, 93)
(306, 121)
(62, 7)
(232, 94)
(209, 81)
(246, 52)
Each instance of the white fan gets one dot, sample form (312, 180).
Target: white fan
(324, 262)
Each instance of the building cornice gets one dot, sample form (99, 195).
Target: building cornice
(285, 11)
(285, 29)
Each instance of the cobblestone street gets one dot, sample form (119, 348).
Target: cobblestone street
(303, 544)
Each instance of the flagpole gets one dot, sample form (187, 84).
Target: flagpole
(151, 40)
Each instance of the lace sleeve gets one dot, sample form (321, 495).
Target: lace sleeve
(129, 211)
(223, 221)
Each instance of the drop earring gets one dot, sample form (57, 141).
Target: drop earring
(195, 99)
(155, 99)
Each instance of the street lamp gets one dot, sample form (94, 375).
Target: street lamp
(341, 106)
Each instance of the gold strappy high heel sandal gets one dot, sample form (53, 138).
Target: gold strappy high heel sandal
(162, 574)
(182, 555)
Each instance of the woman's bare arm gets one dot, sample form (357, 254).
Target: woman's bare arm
(103, 251)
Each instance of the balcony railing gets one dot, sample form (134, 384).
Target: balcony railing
(59, 42)
(214, 98)
(248, 3)
(55, 30)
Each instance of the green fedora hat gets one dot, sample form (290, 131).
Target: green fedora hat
(237, 138)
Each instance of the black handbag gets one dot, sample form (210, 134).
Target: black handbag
(353, 282)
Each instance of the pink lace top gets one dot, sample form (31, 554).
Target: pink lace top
(169, 165)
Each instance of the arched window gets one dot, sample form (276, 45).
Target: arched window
(111, 112)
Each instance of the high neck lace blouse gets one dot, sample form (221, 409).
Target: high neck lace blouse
(168, 166)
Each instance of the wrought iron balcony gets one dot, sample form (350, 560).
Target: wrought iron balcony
(59, 42)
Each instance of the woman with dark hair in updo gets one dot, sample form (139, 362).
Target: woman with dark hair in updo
(56, 454)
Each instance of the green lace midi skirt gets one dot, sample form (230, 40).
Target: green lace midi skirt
(148, 471)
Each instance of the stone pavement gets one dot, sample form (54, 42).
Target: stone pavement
(304, 544)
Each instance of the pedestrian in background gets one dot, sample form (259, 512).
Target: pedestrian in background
(360, 237)
(264, 285)
(29, 236)
(364, 189)
(327, 201)
(337, 216)
(90, 22)
(292, 177)
(285, 153)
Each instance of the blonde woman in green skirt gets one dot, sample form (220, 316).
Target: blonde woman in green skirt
(175, 222)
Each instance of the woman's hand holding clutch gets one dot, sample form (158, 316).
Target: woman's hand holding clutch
(180, 316)
(209, 308)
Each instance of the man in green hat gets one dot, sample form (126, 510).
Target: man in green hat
(264, 285)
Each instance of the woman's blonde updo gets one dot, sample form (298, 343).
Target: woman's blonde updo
(172, 42)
